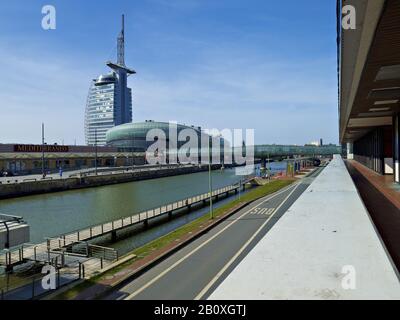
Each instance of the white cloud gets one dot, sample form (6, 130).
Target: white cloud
(284, 101)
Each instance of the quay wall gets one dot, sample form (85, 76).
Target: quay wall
(46, 186)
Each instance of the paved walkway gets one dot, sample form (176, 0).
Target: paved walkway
(324, 247)
(101, 171)
(53, 176)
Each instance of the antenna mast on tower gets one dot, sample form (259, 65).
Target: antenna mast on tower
(121, 44)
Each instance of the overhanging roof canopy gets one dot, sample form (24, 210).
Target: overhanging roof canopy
(369, 68)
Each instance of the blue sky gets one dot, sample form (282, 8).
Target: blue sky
(258, 64)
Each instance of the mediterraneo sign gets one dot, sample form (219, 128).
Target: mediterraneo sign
(39, 148)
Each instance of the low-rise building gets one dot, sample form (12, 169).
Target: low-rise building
(27, 158)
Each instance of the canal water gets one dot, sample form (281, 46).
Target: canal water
(52, 214)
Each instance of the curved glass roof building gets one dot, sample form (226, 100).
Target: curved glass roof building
(132, 136)
(109, 101)
(173, 141)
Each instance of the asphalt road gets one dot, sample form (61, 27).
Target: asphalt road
(195, 271)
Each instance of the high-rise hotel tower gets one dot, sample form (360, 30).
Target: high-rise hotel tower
(109, 102)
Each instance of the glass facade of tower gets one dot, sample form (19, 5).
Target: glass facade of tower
(103, 108)
(109, 102)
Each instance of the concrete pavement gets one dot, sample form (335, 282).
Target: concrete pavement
(52, 176)
(324, 248)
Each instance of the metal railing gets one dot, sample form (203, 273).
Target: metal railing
(8, 218)
(55, 251)
(104, 253)
(16, 286)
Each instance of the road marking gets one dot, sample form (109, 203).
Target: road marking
(221, 272)
(262, 211)
(270, 211)
(148, 284)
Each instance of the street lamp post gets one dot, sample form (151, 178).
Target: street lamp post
(95, 151)
(132, 150)
(43, 166)
(210, 177)
(240, 188)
